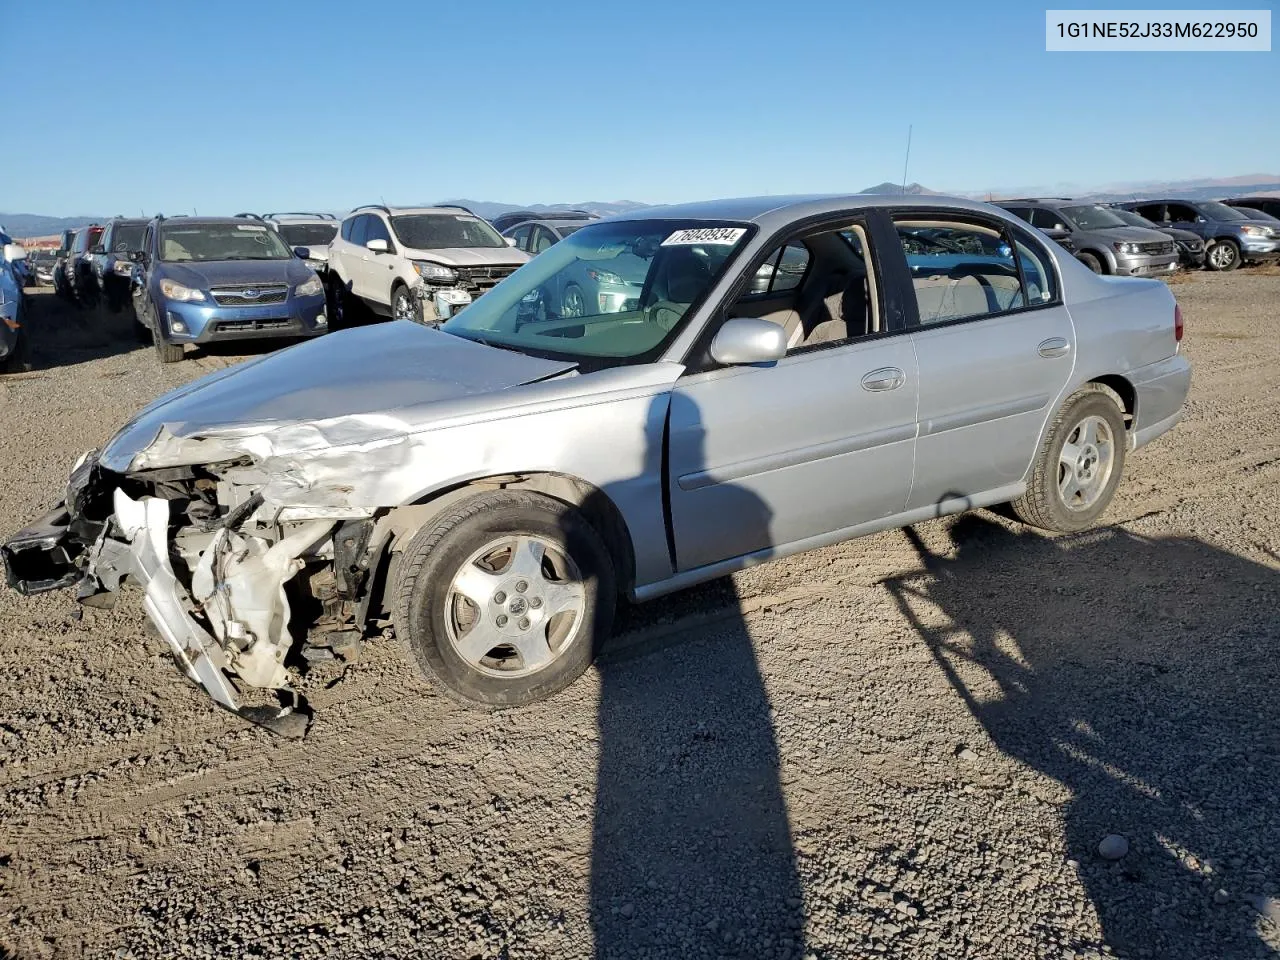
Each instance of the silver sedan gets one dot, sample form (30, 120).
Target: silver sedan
(793, 372)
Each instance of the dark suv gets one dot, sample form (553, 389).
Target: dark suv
(112, 260)
(221, 278)
(1231, 237)
(1103, 242)
(1267, 205)
(1190, 246)
(81, 286)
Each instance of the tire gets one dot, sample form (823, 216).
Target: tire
(404, 305)
(1091, 261)
(429, 613)
(19, 361)
(573, 303)
(336, 300)
(1223, 255)
(1045, 503)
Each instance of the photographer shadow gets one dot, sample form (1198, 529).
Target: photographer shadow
(1142, 675)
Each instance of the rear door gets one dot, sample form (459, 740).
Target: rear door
(357, 257)
(994, 345)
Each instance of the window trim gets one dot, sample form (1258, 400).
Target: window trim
(976, 219)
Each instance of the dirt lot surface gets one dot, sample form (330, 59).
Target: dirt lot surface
(909, 746)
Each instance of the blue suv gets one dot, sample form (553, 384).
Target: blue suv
(207, 279)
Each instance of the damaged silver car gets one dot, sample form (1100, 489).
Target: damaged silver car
(490, 489)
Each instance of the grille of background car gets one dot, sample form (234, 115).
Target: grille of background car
(1157, 249)
(478, 280)
(232, 297)
(240, 326)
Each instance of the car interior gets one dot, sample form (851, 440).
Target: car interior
(959, 270)
(817, 288)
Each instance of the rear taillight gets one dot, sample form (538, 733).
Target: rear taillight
(1177, 323)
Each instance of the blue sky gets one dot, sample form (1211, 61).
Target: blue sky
(232, 105)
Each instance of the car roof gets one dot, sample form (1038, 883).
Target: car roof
(778, 210)
(210, 221)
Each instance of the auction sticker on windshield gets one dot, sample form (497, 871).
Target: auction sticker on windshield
(250, 228)
(727, 236)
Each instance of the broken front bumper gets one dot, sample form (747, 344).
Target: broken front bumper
(54, 552)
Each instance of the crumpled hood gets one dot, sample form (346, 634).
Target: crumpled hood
(473, 256)
(365, 374)
(236, 273)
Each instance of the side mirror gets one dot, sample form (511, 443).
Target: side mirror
(377, 245)
(302, 253)
(1056, 232)
(138, 256)
(511, 241)
(744, 340)
(14, 251)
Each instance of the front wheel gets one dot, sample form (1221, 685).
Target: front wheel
(1223, 255)
(405, 305)
(1079, 465)
(506, 598)
(1091, 261)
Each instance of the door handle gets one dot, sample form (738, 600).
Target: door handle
(1054, 347)
(886, 378)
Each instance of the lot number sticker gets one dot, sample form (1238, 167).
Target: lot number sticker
(726, 236)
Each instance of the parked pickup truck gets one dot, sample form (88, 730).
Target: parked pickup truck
(494, 487)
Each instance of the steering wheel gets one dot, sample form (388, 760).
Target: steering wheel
(665, 313)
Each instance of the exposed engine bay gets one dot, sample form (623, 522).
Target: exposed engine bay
(237, 588)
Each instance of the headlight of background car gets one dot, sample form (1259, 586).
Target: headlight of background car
(1255, 231)
(1129, 249)
(176, 291)
(604, 276)
(434, 271)
(308, 288)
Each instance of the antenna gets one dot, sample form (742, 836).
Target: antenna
(906, 160)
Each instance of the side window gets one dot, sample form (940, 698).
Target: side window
(542, 240)
(521, 235)
(103, 239)
(358, 230)
(1181, 213)
(821, 290)
(1037, 271)
(1046, 219)
(1153, 212)
(1023, 213)
(958, 270)
(345, 230)
(376, 229)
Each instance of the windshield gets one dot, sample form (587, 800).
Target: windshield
(1220, 211)
(127, 237)
(616, 290)
(440, 231)
(220, 241)
(1132, 219)
(1093, 217)
(308, 234)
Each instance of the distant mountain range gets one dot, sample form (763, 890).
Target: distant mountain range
(1205, 188)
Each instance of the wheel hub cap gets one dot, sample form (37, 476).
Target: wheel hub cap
(1086, 462)
(515, 606)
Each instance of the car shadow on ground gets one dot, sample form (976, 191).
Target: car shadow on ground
(1082, 657)
(63, 334)
(691, 845)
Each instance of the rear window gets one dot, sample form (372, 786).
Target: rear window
(308, 234)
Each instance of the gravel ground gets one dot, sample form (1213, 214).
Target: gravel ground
(912, 745)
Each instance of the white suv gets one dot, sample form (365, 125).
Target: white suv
(416, 263)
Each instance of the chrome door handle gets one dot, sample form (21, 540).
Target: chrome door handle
(1054, 347)
(886, 378)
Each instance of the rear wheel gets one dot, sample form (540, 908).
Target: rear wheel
(506, 598)
(1092, 261)
(1223, 255)
(1080, 464)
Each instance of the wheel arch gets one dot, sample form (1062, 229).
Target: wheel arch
(400, 524)
(1106, 258)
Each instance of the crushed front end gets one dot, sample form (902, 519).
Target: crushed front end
(226, 579)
